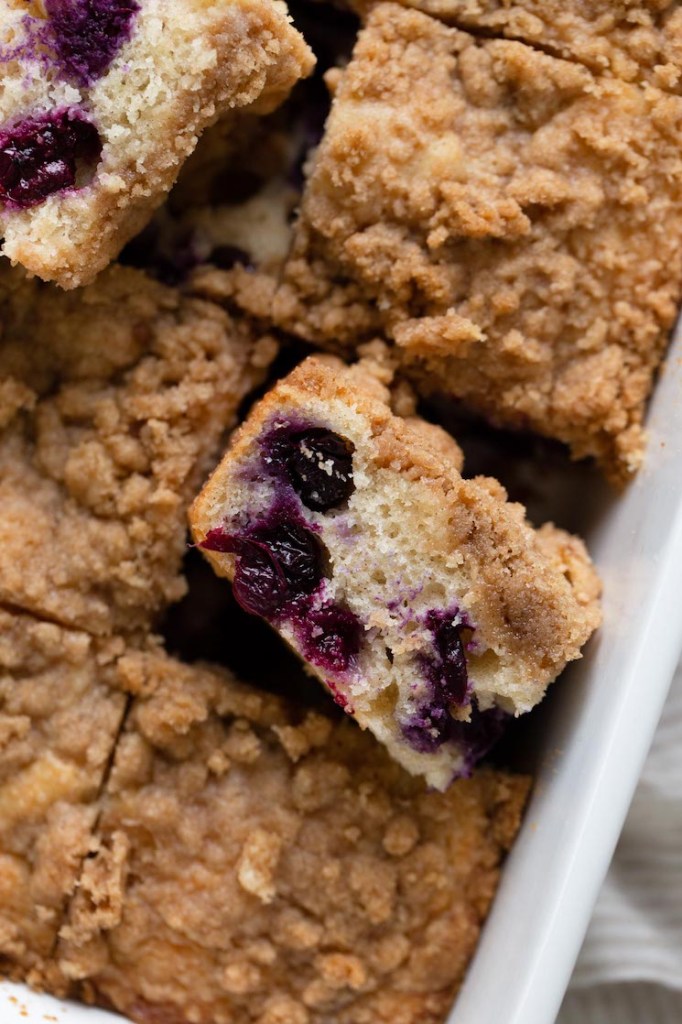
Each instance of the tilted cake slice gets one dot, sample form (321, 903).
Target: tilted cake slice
(424, 601)
(509, 220)
(260, 864)
(103, 100)
(114, 401)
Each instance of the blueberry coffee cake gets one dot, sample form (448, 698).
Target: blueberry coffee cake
(510, 220)
(257, 864)
(103, 100)
(60, 712)
(113, 403)
(628, 39)
(423, 601)
(192, 830)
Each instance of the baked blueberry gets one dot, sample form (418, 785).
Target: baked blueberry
(42, 155)
(331, 637)
(276, 565)
(317, 462)
(447, 666)
(87, 34)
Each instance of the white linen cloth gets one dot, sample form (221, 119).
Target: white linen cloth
(630, 968)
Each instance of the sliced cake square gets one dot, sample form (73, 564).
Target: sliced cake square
(424, 602)
(114, 401)
(103, 100)
(509, 220)
(629, 39)
(261, 864)
(60, 712)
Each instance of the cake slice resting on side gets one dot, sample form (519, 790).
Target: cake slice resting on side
(103, 100)
(425, 602)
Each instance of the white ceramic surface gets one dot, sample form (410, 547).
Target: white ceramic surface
(595, 729)
(587, 745)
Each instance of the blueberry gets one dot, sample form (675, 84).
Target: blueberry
(479, 735)
(428, 728)
(298, 553)
(431, 726)
(331, 637)
(276, 565)
(317, 463)
(40, 155)
(87, 34)
(449, 668)
(432, 723)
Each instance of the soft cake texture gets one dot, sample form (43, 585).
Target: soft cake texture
(259, 865)
(113, 404)
(510, 220)
(60, 711)
(153, 81)
(416, 568)
(628, 39)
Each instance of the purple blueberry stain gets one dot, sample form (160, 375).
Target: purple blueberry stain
(279, 573)
(429, 728)
(277, 565)
(478, 736)
(330, 637)
(87, 34)
(444, 669)
(316, 462)
(447, 666)
(44, 154)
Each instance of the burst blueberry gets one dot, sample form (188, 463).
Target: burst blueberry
(432, 723)
(42, 155)
(331, 637)
(277, 565)
(448, 669)
(317, 463)
(87, 34)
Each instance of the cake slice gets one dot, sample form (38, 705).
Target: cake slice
(628, 39)
(264, 865)
(423, 601)
(103, 100)
(60, 712)
(114, 401)
(509, 220)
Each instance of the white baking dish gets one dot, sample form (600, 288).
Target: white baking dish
(586, 745)
(592, 736)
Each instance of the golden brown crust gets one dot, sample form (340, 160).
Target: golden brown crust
(507, 218)
(628, 39)
(115, 401)
(60, 711)
(259, 865)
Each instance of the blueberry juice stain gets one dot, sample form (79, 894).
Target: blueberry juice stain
(42, 155)
(445, 671)
(88, 34)
(279, 572)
